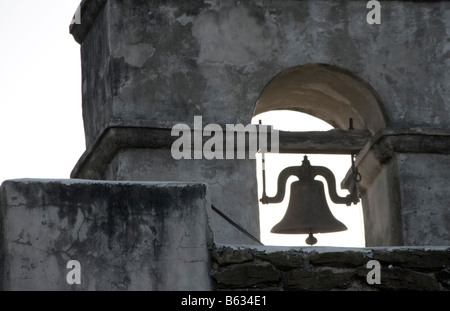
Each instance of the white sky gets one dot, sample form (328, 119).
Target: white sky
(41, 127)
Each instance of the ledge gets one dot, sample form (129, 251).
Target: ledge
(386, 143)
(412, 140)
(120, 134)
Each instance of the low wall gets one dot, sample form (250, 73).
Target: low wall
(324, 269)
(98, 235)
(91, 235)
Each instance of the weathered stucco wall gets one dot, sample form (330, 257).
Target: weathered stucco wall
(155, 236)
(171, 61)
(147, 62)
(125, 235)
(425, 199)
(323, 269)
(230, 193)
(382, 209)
(405, 187)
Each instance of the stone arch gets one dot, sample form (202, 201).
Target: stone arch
(334, 95)
(326, 92)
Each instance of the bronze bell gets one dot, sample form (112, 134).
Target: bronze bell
(308, 211)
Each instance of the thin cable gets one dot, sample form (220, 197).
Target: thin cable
(235, 225)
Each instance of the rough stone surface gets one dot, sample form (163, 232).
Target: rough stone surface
(401, 279)
(427, 260)
(339, 259)
(320, 268)
(444, 278)
(425, 198)
(255, 275)
(166, 60)
(226, 257)
(318, 280)
(126, 235)
(169, 61)
(382, 207)
(404, 187)
(231, 190)
(282, 260)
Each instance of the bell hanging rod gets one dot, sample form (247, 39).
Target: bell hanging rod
(334, 141)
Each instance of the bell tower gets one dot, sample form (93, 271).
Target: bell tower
(150, 65)
(147, 67)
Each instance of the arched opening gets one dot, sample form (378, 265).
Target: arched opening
(326, 92)
(315, 98)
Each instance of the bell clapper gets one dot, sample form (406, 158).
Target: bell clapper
(311, 240)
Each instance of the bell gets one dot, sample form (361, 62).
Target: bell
(308, 212)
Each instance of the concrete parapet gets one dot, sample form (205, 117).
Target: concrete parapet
(124, 235)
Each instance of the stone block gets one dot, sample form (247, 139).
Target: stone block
(247, 275)
(326, 279)
(400, 279)
(339, 259)
(125, 235)
(419, 259)
(444, 278)
(228, 256)
(283, 261)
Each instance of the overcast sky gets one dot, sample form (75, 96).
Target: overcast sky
(41, 129)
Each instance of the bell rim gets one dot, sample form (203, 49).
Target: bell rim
(307, 230)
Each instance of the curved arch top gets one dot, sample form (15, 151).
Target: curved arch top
(326, 92)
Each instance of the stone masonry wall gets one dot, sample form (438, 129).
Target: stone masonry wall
(323, 269)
